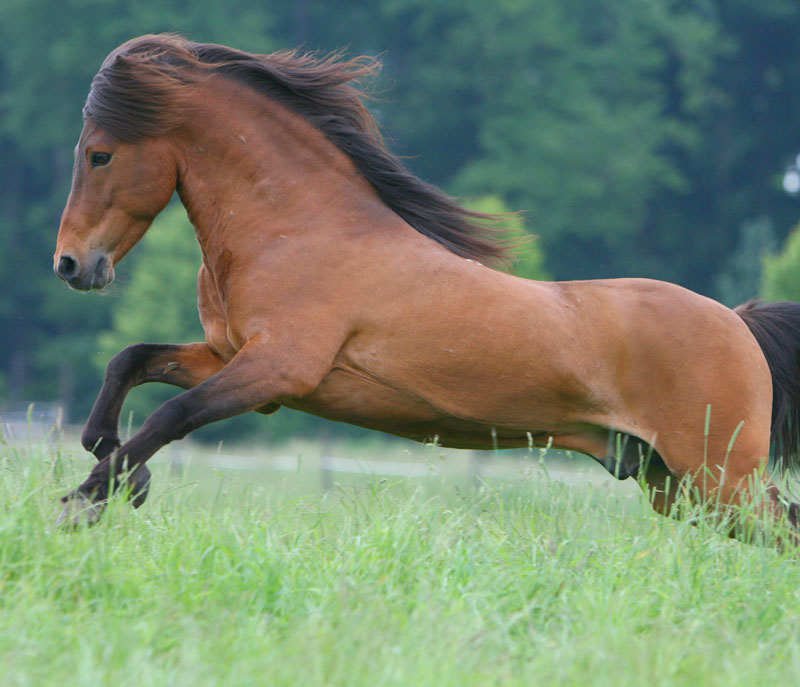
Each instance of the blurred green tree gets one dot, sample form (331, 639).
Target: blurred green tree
(528, 257)
(640, 137)
(742, 275)
(781, 280)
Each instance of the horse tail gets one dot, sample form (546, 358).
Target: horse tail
(776, 327)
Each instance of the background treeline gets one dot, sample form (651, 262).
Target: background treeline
(641, 137)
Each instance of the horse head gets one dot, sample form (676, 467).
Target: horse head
(117, 190)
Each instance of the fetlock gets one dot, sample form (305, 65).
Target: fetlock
(99, 488)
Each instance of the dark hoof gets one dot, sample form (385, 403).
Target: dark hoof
(79, 510)
(86, 504)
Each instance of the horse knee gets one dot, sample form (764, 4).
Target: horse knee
(99, 442)
(126, 360)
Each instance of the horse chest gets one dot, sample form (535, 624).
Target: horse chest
(215, 325)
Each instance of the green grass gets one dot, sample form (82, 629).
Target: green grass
(381, 582)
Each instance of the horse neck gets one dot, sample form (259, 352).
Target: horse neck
(250, 166)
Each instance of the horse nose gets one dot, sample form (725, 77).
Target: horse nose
(67, 267)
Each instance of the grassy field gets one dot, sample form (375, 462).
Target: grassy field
(237, 578)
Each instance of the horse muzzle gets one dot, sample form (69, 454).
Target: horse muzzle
(95, 272)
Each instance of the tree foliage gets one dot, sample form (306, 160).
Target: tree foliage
(641, 137)
(529, 261)
(782, 271)
(741, 277)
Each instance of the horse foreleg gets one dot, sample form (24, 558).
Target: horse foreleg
(252, 379)
(182, 365)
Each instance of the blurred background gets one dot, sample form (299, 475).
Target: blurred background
(656, 138)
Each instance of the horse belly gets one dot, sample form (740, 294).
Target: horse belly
(349, 396)
(346, 396)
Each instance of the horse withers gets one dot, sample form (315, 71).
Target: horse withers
(336, 282)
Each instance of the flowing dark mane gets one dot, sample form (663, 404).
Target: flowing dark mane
(139, 90)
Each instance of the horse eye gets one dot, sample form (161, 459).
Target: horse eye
(99, 159)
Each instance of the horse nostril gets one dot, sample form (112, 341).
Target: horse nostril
(67, 267)
(101, 267)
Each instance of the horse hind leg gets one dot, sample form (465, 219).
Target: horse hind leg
(629, 456)
(729, 480)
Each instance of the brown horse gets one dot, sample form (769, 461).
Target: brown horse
(336, 282)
